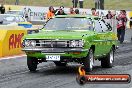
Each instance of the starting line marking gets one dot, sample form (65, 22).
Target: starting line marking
(11, 57)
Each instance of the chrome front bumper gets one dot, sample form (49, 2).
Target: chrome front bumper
(54, 50)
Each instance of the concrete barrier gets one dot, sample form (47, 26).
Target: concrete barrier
(11, 40)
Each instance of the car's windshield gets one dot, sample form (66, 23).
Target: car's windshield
(69, 24)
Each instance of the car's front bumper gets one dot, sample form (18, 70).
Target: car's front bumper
(55, 50)
(66, 52)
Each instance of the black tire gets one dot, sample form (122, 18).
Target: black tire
(107, 62)
(58, 63)
(89, 61)
(32, 64)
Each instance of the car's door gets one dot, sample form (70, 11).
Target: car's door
(101, 40)
(108, 36)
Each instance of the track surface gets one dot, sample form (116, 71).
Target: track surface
(14, 73)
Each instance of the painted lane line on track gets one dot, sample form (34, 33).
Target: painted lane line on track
(11, 57)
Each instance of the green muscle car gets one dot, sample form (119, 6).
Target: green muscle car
(72, 38)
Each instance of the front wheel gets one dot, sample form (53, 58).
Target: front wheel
(32, 64)
(89, 61)
(107, 62)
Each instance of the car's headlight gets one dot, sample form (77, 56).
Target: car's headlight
(26, 43)
(76, 43)
(81, 43)
(29, 43)
(33, 43)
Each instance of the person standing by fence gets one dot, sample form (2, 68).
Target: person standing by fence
(109, 15)
(97, 4)
(72, 11)
(121, 25)
(2, 9)
(77, 11)
(75, 2)
(17, 2)
(94, 13)
(50, 13)
(130, 22)
(81, 3)
(60, 11)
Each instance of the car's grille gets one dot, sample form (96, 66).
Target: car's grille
(52, 43)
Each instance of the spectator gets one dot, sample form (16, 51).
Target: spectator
(72, 11)
(60, 11)
(81, 3)
(113, 15)
(75, 2)
(121, 25)
(131, 22)
(17, 2)
(109, 15)
(2, 9)
(9, 8)
(77, 11)
(94, 13)
(97, 4)
(26, 14)
(50, 13)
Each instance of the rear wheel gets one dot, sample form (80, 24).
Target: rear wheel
(107, 62)
(58, 63)
(89, 61)
(32, 64)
